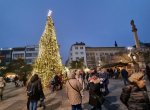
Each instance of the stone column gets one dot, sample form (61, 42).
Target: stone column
(134, 30)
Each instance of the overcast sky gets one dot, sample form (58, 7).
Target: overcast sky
(95, 22)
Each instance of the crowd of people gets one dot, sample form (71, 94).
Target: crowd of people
(134, 93)
(95, 81)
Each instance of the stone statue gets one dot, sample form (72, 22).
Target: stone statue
(134, 29)
(132, 22)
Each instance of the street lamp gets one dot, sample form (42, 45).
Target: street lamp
(99, 63)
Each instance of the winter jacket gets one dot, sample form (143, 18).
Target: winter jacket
(2, 85)
(124, 74)
(94, 91)
(135, 98)
(35, 87)
(2, 82)
(105, 77)
(74, 95)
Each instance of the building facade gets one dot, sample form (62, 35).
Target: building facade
(31, 53)
(5, 56)
(28, 53)
(77, 52)
(92, 56)
(98, 56)
(18, 52)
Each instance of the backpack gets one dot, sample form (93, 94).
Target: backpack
(30, 91)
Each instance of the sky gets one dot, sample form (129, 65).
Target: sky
(97, 23)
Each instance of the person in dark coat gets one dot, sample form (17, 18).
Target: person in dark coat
(42, 97)
(94, 91)
(134, 95)
(124, 74)
(115, 73)
(34, 92)
(147, 71)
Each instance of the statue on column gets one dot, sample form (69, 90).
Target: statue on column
(134, 29)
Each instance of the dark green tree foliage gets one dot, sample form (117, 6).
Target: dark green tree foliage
(19, 67)
(78, 64)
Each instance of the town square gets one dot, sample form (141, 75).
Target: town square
(74, 55)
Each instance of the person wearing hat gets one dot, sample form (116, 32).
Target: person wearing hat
(95, 95)
(134, 95)
(73, 89)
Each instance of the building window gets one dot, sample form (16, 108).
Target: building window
(34, 54)
(106, 53)
(76, 47)
(28, 54)
(76, 53)
(81, 47)
(82, 58)
(70, 54)
(81, 52)
(36, 49)
(77, 58)
(21, 55)
(8, 56)
(30, 49)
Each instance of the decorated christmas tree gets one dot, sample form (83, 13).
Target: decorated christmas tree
(48, 61)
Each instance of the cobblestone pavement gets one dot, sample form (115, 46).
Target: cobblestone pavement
(15, 98)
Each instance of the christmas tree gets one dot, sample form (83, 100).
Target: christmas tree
(48, 61)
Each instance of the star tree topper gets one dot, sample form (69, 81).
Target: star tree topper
(49, 13)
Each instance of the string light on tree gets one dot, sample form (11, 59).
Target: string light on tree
(48, 61)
